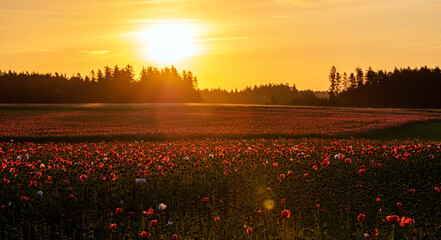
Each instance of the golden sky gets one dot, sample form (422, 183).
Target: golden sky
(227, 43)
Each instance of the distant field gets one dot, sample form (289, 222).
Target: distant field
(175, 121)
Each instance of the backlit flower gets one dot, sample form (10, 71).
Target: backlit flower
(405, 222)
(161, 207)
(144, 235)
(286, 213)
(393, 219)
(83, 177)
(153, 223)
(118, 211)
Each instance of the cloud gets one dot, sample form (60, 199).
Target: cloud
(33, 50)
(95, 52)
(300, 2)
(225, 39)
(280, 17)
(316, 2)
(160, 20)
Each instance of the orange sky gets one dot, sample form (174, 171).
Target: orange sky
(233, 43)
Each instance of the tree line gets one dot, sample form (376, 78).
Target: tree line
(110, 85)
(268, 94)
(403, 88)
(118, 85)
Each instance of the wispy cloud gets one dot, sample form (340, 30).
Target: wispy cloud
(316, 2)
(32, 50)
(95, 52)
(159, 20)
(225, 39)
(127, 4)
(280, 17)
(27, 12)
(300, 2)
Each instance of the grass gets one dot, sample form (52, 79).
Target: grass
(427, 130)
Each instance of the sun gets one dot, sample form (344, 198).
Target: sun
(169, 42)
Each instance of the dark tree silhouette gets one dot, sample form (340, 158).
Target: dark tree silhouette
(269, 94)
(403, 88)
(114, 85)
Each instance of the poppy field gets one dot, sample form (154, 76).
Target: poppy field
(216, 188)
(177, 121)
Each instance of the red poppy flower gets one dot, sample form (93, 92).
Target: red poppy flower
(378, 199)
(412, 191)
(24, 198)
(437, 189)
(249, 230)
(405, 222)
(149, 212)
(144, 235)
(282, 201)
(113, 176)
(6, 181)
(259, 212)
(205, 199)
(83, 177)
(286, 213)
(373, 233)
(216, 219)
(112, 226)
(393, 219)
(361, 217)
(153, 223)
(174, 237)
(399, 204)
(317, 206)
(37, 175)
(118, 211)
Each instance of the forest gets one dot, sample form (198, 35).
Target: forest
(110, 85)
(402, 88)
(267, 94)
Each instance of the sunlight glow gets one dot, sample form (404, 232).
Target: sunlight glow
(169, 42)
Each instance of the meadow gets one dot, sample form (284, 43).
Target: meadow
(218, 172)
